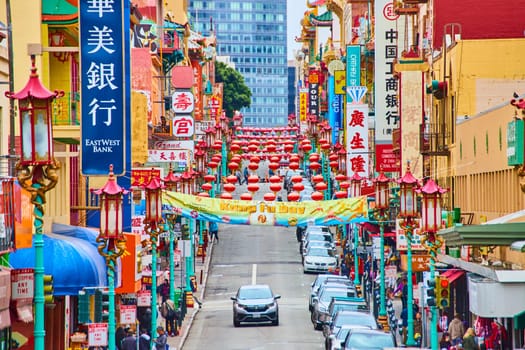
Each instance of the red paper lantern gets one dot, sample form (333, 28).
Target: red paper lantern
(235, 147)
(233, 166)
(253, 166)
(207, 186)
(325, 146)
(306, 147)
(293, 196)
(246, 196)
(217, 145)
(288, 148)
(294, 158)
(273, 166)
(317, 196)
(341, 177)
(269, 197)
(321, 186)
(314, 157)
(296, 178)
(317, 178)
(344, 185)
(209, 178)
(229, 187)
(298, 186)
(226, 195)
(276, 187)
(253, 187)
(341, 194)
(204, 194)
(334, 164)
(333, 157)
(231, 179)
(293, 165)
(253, 179)
(275, 179)
(315, 166)
(213, 165)
(252, 148)
(255, 159)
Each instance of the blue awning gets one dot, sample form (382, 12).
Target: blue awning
(71, 256)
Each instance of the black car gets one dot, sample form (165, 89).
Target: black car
(255, 303)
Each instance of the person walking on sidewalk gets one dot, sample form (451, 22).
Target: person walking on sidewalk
(162, 339)
(144, 339)
(214, 232)
(130, 342)
(456, 330)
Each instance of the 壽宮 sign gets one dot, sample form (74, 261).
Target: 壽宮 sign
(183, 126)
(103, 87)
(182, 102)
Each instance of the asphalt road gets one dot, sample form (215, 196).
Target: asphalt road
(255, 254)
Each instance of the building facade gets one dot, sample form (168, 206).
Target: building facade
(253, 34)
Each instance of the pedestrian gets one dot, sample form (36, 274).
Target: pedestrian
(245, 173)
(469, 340)
(214, 231)
(120, 334)
(167, 310)
(161, 340)
(130, 342)
(418, 328)
(444, 342)
(144, 339)
(404, 293)
(145, 317)
(239, 176)
(456, 330)
(164, 290)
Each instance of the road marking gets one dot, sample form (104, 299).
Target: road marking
(254, 273)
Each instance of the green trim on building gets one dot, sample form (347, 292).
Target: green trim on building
(484, 235)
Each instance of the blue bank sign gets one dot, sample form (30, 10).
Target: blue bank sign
(102, 89)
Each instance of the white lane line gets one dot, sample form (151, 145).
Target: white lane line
(254, 273)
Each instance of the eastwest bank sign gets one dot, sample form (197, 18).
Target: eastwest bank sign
(103, 86)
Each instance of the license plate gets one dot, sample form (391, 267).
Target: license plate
(256, 315)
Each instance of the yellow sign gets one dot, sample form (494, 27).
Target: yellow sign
(340, 82)
(303, 105)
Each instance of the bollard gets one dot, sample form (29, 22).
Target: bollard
(201, 279)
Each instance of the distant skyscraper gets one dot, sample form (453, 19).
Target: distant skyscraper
(253, 34)
(291, 87)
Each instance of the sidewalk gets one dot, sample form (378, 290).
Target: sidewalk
(177, 342)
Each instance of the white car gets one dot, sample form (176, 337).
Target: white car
(322, 244)
(319, 259)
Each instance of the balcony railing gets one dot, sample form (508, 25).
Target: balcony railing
(433, 140)
(65, 110)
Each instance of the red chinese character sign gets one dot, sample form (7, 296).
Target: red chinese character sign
(357, 138)
(183, 126)
(182, 102)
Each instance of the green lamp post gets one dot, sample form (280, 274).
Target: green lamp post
(153, 226)
(431, 224)
(355, 191)
(37, 173)
(170, 181)
(382, 190)
(408, 212)
(112, 243)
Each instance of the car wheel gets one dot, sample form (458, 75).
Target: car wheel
(312, 317)
(276, 322)
(236, 323)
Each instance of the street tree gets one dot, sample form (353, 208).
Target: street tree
(236, 94)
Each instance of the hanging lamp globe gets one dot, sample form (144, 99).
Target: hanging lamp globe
(315, 166)
(204, 194)
(253, 187)
(253, 179)
(317, 196)
(321, 186)
(317, 178)
(293, 165)
(232, 179)
(253, 166)
(269, 197)
(341, 194)
(298, 186)
(246, 196)
(293, 196)
(206, 186)
(209, 178)
(226, 195)
(275, 179)
(229, 187)
(276, 187)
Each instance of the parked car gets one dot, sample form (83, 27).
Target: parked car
(317, 228)
(321, 303)
(335, 341)
(255, 303)
(337, 304)
(364, 339)
(352, 318)
(319, 259)
(318, 282)
(316, 236)
(322, 244)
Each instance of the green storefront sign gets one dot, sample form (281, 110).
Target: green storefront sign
(515, 142)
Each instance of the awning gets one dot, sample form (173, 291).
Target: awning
(502, 234)
(452, 274)
(71, 256)
(368, 226)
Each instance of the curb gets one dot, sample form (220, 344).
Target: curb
(203, 289)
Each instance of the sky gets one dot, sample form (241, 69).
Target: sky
(295, 12)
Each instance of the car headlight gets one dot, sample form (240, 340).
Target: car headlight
(308, 261)
(271, 305)
(331, 264)
(240, 306)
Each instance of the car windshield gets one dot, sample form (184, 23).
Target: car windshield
(364, 320)
(368, 341)
(327, 295)
(319, 237)
(318, 244)
(350, 307)
(255, 293)
(319, 251)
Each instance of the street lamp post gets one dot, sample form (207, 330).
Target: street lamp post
(112, 243)
(153, 227)
(408, 212)
(170, 181)
(382, 189)
(430, 224)
(37, 173)
(355, 191)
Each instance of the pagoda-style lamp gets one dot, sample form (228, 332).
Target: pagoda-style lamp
(355, 191)
(37, 173)
(430, 225)
(171, 181)
(408, 212)
(153, 227)
(112, 243)
(382, 191)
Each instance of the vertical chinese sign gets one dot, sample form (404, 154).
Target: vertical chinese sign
(313, 93)
(102, 90)
(357, 134)
(386, 85)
